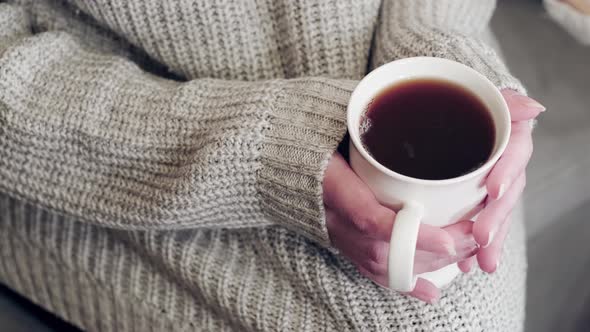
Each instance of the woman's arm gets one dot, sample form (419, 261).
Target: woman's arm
(90, 134)
(441, 28)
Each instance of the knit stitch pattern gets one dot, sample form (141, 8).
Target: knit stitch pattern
(161, 162)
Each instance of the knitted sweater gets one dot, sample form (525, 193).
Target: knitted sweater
(161, 161)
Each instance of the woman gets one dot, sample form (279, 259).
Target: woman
(172, 166)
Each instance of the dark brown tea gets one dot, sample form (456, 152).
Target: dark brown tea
(428, 129)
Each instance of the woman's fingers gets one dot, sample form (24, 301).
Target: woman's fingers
(490, 219)
(363, 251)
(425, 291)
(427, 262)
(520, 146)
(348, 197)
(360, 249)
(380, 280)
(372, 255)
(505, 182)
(489, 257)
(466, 265)
(435, 239)
(513, 161)
(465, 247)
(466, 229)
(462, 234)
(452, 241)
(354, 202)
(360, 227)
(521, 107)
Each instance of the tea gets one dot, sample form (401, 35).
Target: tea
(428, 129)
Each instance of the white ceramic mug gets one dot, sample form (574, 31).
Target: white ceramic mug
(434, 202)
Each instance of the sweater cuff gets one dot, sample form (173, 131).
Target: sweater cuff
(306, 123)
(483, 58)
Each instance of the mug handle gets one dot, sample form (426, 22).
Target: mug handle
(402, 247)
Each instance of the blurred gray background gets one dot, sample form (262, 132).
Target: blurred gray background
(556, 71)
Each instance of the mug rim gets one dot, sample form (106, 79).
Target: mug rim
(355, 136)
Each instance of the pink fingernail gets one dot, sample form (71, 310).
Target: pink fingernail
(501, 191)
(530, 103)
(535, 104)
(490, 238)
(466, 267)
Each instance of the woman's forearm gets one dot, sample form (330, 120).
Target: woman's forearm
(92, 135)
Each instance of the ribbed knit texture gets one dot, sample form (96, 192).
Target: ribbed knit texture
(161, 162)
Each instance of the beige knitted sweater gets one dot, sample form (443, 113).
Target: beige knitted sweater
(161, 162)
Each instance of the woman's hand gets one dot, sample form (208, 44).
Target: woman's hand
(505, 183)
(360, 228)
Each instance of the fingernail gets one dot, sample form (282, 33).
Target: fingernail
(530, 102)
(490, 238)
(466, 267)
(450, 248)
(501, 191)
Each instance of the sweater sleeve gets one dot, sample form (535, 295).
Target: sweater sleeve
(441, 28)
(91, 135)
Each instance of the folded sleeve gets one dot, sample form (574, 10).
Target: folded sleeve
(90, 134)
(441, 28)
